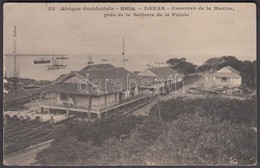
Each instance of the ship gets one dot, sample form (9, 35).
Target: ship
(56, 65)
(90, 60)
(42, 61)
(62, 57)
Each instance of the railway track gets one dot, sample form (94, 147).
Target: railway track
(23, 131)
(26, 156)
(27, 130)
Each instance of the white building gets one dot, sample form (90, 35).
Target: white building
(225, 77)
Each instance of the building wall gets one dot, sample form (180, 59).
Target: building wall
(107, 101)
(95, 103)
(236, 81)
(126, 95)
(53, 98)
(158, 87)
(81, 100)
(217, 81)
(111, 100)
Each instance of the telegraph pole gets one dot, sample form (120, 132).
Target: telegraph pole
(15, 72)
(159, 110)
(123, 53)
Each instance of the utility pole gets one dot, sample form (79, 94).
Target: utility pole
(14, 53)
(15, 72)
(89, 113)
(123, 53)
(159, 110)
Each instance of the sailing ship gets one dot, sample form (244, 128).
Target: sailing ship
(56, 65)
(90, 61)
(42, 61)
(62, 57)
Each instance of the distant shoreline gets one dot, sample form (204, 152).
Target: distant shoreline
(35, 54)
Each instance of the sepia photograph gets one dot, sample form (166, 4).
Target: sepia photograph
(129, 84)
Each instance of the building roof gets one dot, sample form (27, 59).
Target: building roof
(108, 79)
(232, 70)
(16, 95)
(164, 72)
(34, 91)
(150, 78)
(220, 74)
(136, 72)
(159, 73)
(98, 66)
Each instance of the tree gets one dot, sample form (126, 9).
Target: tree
(212, 64)
(247, 69)
(230, 61)
(248, 73)
(182, 65)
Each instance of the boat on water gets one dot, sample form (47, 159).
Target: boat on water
(62, 57)
(42, 61)
(90, 60)
(56, 65)
(104, 59)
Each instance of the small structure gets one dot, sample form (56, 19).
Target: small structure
(161, 78)
(225, 77)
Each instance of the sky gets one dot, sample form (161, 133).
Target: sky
(201, 35)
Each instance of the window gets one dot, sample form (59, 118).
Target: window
(64, 97)
(224, 80)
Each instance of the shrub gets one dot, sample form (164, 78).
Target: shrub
(219, 109)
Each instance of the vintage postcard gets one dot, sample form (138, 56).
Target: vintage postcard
(129, 84)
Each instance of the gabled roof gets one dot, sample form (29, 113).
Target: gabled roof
(113, 73)
(159, 73)
(34, 91)
(16, 95)
(231, 69)
(220, 73)
(98, 67)
(164, 72)
(108, 78)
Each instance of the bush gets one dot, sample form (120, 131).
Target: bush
(193, 139)
(219, 109)
(192, 132)
(150, 129)
(100, 129)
